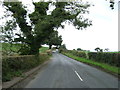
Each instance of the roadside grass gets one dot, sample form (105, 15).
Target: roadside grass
(104, 66)
(111, 52)
(43, 49)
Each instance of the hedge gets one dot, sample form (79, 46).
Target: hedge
(104, 57)
(109, 58)
(78, 53)
(15, 65)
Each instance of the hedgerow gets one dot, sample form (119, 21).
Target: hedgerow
(15, 65)
(104, 57)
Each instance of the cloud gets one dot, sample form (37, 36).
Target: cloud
(103, 33)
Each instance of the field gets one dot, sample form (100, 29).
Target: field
(7, 48)
(10, 47)
(43, 49)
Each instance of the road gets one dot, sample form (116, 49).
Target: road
(64, 72)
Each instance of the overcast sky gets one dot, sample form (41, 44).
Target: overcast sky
(103, 33)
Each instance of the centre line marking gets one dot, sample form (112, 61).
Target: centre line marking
(78, 76)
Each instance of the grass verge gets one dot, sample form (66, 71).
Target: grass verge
(112, 69)
(15, 66)
(43, 49)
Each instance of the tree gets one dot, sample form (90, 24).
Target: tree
(97, 49)
(7, 35)
(42, 24)
(58, 41)
(74, 50)
(54, 39)
(101, 50)
(7, 31)
(112, 4)
(79, 49)
(62, 48)
(19, 14)
(106, 49)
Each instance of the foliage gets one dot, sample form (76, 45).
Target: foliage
(109, 58)
(13, 49)
(62, 48)
(112, 4)
(7, 31)
(104, 57)
(49, 52)
(42, 24)
(10, 48)
(24, 49)
(106, 49)
(16, 65)
(109, 68)
(78, 53)
(79, 49)
(98, 49)
(43, 49)
(54, 39)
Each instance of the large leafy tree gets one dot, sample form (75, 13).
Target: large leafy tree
(7, 31)
(54, 39)
(43, 24)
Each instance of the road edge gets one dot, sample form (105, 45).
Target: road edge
(16, 80)
(102, 69)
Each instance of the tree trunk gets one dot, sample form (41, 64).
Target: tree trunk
(50, 46)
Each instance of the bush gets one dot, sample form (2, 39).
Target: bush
(15, 65)
(78, 53)
(104, 57)
(49, 52)
(109, 58)
(62, 50)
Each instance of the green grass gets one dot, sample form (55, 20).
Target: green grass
(7, 47)
(10, 47)
(104, 66)
(43, 49)
(111, 52)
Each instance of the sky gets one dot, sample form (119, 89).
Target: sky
(103, 33)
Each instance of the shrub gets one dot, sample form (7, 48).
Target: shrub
(15, 65)
(49, 52)
(104, 57)
(82, 54)
(78, 53)
(109, 58)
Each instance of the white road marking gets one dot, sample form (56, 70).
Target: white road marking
(78, 76)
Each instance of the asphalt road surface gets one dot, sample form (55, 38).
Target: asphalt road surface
(64, 72)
